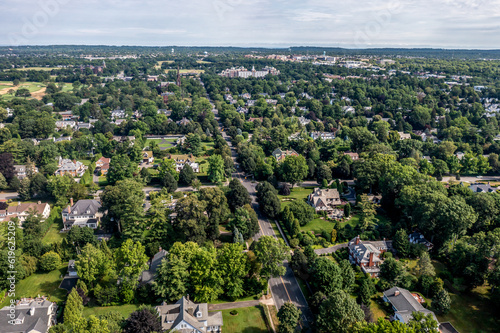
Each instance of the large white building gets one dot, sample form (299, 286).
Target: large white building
(242, 72)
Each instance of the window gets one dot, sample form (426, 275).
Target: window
(198, 314)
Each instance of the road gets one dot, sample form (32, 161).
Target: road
(284, 288)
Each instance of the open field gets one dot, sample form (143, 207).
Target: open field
(158, 65)
(36, 68)
(36, 89)
(53, 235)
(43, 284)
(248, 320)
(125, 310)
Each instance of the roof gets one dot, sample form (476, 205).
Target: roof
(149, 275)
(147, 154)
(35, 208)
(190, 313)
(87, 207)
(404, 303)
(325, 196)
(32, 316)
(479, 187)
(447, 328)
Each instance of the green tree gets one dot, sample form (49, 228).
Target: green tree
(50, 261)
(187, 175)
(424, 265)
(271, 253)
(217, 209)
(238, 195)
(391, 270)
(3, 183)
(338, 313)
(243, 222)
(131, 260)
(368, 211)
(120, 168)
(191, 221)
(268, 200)
(92, 265)
(293, 169)
(347, 210)
(233, 267)
(167, 166)
(171, 281)
(169, 183)
(288, 316)
(205, 277)
(302, 211)
(216, 169)
(73, 311)
(327, 276)
(401, 243)
(24, 190)
(366, 292)
(192, 144)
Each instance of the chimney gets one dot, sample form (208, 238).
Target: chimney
(71, 202)
(159, 249)
(370, 263)
(357, 240)
(396, 293)
(39, 202)
(32, 311)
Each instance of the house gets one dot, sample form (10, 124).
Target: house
(149, 275)
(242, 110)
(28, 316)
(182, 160)
(85, 213)
(304, 121)
(117, 114)
(324, 200)
(418, 238)
(322, 135)
(280, 155)
(404, 136)
(23, 210)
(80, 126)
(188, 317)
(353, 156)
(404, 304)
(102, 165)
(180, 141)
(119, 139)
(72, 167)
(184, 121)
(72, 269)
(246, 96)
(479, 187)
(65, 124)
(21, 171)
(366, 254)
(348, 109)
(147, 156)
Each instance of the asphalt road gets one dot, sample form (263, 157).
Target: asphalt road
(284, 288)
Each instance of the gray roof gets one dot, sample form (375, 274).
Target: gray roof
(405, 304)
(478, 187)
(150, 274)
(83, 207)
(190, 313)
(32, 316)
(447, 328)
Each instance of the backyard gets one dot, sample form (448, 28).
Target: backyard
(248, 320)
(125, 310)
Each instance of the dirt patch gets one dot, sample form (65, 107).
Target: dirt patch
(39, 94)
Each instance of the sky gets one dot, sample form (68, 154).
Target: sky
(466, 24)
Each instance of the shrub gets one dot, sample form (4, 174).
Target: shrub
(50, 261)
(233, 313)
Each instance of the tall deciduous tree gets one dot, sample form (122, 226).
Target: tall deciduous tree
(288, 316)
(233, 267)
(293, 169)
(267, 196)
(338, 313)
(271, 253)
(238, 195)
(216, 169)
(120, 168)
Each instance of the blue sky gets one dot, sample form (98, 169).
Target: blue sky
(281, 23)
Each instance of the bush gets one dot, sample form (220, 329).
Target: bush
(50, 261)
(233, 313)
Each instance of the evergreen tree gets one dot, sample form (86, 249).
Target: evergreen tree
(73, 311)
(401, 243)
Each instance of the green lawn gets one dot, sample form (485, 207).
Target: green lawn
(297, 193)
(36, 69)
(248, 298)
(53, 235)
(318, 225)
(125, 310)
(43, 284)
(248, 320)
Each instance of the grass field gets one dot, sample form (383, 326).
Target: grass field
(248, 320)
(158, 65)
(53, 235)
(43, 284)
(125, 310)
(36, 68)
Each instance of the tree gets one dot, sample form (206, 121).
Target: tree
(3, 183)
(192, 144)
(144, 320)
(120, 168)
(73, 311)
(92, 265)
(131, 260)
(217, 209)
(205, 278)
(191, 221)
(288, 316)
(232, 264)
(338, 313)
(323, 173)
(187, 175)
(347, 210)
(424, 265)
(23, 92)
(271, 253)
(348, 275)
(238, 195)
(243, 222)
(268, 200)
(293, 169)
(401, 243)
(172, 278)
(216, 169)
(301, 211)
(366, 291)
(24, 189)
(327, 276)
(391, 270)
(169, 183)
(123, 201)
(367, 212)
(7, 166)
(79, 237)
(50, 261)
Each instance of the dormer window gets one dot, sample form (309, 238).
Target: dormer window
(198, 314)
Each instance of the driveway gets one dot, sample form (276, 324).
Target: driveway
(330, 249)
(8, 195)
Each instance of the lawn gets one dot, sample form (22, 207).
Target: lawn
(125, 310)
(43, 284)
(53, 235)
(248, 320)
(36, 68)
(472, 312)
